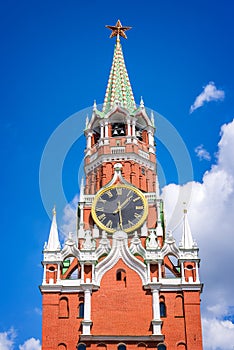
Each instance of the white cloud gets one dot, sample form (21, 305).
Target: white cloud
(31, 344)
(7, 340)
(202, 153)
(211, 218)
(217, 334)
(209, 93)
(69, 222)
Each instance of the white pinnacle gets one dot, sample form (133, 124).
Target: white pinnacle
(142, 103)
(187, 239)
(53, 242)
(82, 188)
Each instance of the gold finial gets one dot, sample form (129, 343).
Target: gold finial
(185, 207)
(118, 30)
(54, 210)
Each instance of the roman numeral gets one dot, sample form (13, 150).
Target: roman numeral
(102, 217)
(102, 200)
(109, 224)
(138, 207)
(119, 191)
(109, 194)
(130, 223)
(100, 209)
(137, 216)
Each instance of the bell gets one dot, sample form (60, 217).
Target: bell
(115, 132)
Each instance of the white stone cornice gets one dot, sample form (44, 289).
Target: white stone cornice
(104, 158)
(195, 287)
(189, 254)
(59, 288)
(87, 257)
(52, 257)
(154, 256)
(150, 196)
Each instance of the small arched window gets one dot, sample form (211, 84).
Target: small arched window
(122, 347)
(121, 275)
(81, 310)
(162, 306)
(81, 346)
(141, 346)
(162, 347)
(62, 347)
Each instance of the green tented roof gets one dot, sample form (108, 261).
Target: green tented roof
(119, 87)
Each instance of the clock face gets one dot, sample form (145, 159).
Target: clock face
(119, 207)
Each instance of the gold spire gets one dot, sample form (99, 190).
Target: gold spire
(118, 30)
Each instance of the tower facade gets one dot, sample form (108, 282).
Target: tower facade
(121, 282)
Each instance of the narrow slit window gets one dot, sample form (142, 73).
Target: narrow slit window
(81, 310)
(162, 307)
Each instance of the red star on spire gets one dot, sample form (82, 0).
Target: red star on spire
(118, 30)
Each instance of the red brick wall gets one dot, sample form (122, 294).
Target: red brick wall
(182, 323)
(57, 329)
(119, 307)
(122, 308)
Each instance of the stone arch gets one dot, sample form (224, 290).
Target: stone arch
(171, 265)
(63, 307)
(181, 346)
(141, 346)
(70, 268)
(179, 306)
(101, 346)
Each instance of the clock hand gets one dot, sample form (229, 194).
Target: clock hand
(120, 216)
(122, 205)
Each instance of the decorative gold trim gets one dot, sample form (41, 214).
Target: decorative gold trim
(132, 188)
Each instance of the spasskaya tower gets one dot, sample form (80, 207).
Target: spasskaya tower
(121, 282)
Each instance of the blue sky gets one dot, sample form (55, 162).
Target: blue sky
(55, 60)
